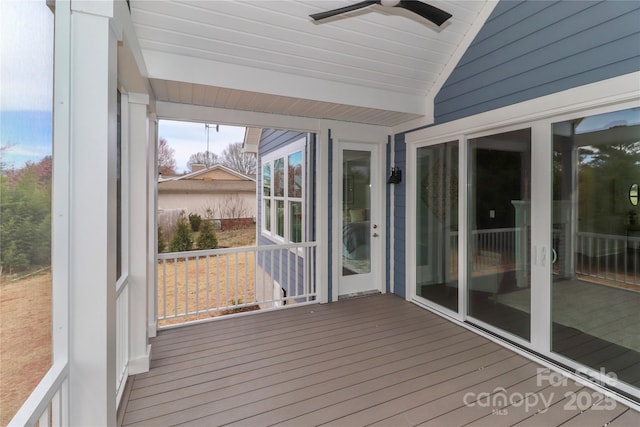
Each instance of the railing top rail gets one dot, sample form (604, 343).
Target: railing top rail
(35, 405)
(608, 236)
(122, 285)
(210, 252)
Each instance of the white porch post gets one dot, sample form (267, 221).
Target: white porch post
(138, 235)
(322, 218)
(92, 255)
(152, 212)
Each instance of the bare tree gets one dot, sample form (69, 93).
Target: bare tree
(232, 207)
(166, 159)
(203, 158)
(233, 157)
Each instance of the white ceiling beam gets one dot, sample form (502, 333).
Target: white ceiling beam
(170, 66)
(198, 113)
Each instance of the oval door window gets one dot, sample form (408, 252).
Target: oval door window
(633, 194)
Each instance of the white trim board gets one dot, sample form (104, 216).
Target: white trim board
(600, 94)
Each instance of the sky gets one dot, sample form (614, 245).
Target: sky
(26, 73)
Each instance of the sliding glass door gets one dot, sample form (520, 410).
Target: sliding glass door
(596, 243)
(499, 231)
(437, 224)
(545, 250)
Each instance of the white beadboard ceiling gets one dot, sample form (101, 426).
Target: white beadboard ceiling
(376, 65)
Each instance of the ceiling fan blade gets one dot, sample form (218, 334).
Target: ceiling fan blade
(432, 13)
(334, 12)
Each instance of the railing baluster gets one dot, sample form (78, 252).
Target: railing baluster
(280, 269)
(226, 279)
(186, 285)
(246, 277)
(44, 418)
(287, 254)
(237, 280)
(207, 284)
(309, 273)
(197, 310)
(264, 275)
(217, 281)
(272, 274)
(626, 268)
(164, 287)
(175, 286)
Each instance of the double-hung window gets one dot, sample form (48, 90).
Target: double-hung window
(283, 193)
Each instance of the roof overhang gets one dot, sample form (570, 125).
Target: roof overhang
(373, 66)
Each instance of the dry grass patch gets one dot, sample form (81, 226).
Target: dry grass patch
(25, 320)
(237, 238)
(25, 339)
(227, 281)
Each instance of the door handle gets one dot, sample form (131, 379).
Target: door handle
(375, 234)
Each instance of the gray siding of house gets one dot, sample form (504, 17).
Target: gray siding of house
(287, 269)
(525, 50)
(399, 256)
(528, 49)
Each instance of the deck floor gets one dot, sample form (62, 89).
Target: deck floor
(375, 360)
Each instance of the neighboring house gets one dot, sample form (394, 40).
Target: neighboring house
(216, 192)
(515, 127)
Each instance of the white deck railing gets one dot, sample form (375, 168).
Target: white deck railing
(493, 248)
(47, 404)
(122, 338)
(608, 257)
(195, 285)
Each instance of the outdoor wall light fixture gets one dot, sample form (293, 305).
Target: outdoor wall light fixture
(395, 177)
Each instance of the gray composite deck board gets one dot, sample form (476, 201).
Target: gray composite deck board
(372, 360)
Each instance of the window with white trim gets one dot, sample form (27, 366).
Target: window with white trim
(283, 193)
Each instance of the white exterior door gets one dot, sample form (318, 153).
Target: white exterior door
(358, 228)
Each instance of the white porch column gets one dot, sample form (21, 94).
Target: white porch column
(92, 255)
(139, 348)
(152, 183)
(322, 218)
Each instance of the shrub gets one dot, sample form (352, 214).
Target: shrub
(195, 220)
(14, 260)
(25, 210)
(162, 244)
(167, 219)
(207, 238)
(182, 239)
